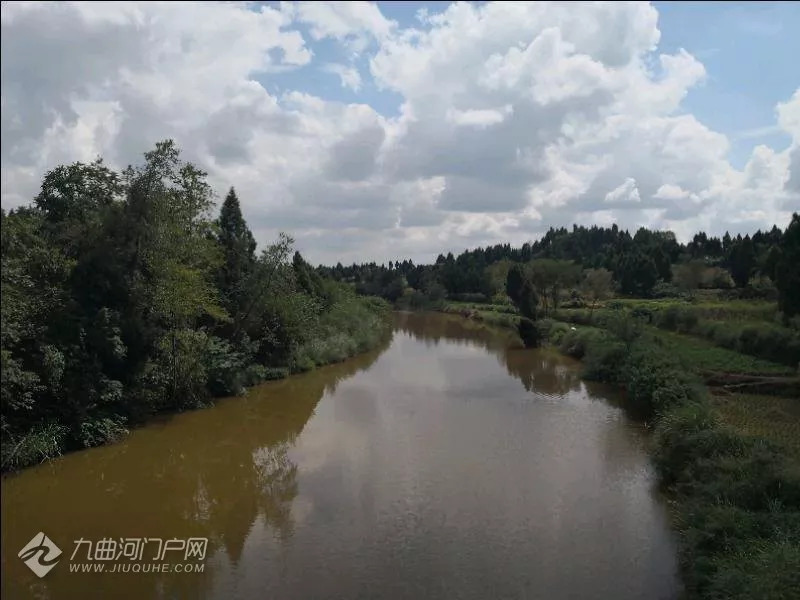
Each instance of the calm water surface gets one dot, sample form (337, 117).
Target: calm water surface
(446, 464)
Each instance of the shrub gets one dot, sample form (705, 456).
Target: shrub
(655, 382)
(225, 368)
(272, 373)
(663, 289)
(97, 432)
(717, 278)
(552, 331)
(686, 434)
(529, 333)
(640, 312)
(574, 303)
(687, 320)
(770, 571)
(751, 478)
(719, 539)
(469, 297)
(576, 341)
(677, 318)
(668, 318)
(579, 317)
(604, 360)
(737, 498)
(42, 442)
(627, 329)
(725, 336)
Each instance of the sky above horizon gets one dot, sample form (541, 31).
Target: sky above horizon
(407, 129)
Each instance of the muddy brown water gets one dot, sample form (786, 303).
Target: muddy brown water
(448, 463)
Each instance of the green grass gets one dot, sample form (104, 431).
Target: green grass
(715, 310)
(698, 353)
(774, 418)
(702, 355)
(491, 314)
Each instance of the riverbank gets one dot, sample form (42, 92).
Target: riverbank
(349, 327)
(431, 467)
(735, 497)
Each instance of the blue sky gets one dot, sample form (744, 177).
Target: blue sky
(749, 50)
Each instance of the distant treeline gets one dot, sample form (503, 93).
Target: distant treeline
(648, 263)
(122, 296)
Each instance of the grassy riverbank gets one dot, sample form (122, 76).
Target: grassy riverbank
(728, 462)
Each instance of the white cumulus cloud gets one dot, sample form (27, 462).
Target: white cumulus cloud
(512, 117)
(349, 76)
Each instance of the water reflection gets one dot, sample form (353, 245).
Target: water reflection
(423, 469)
(212, 473)
(545, 371)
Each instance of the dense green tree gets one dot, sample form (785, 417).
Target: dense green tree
(74, 200)
(117, 288)
(528, 302)
(552, 276)
(742, 261)
(238, 249)
(522, 291)
(514, 283)
(688, 276)
(598, 284)
(497, 275)
(637, 274)
(787, 270)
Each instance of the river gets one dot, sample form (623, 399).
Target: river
(449, 463)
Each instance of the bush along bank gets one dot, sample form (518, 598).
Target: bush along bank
(761, 339)
(736, 499)
(124, 296)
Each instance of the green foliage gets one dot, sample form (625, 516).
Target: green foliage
(688, 276)
(740, 326)
(38, 444)
(529, 333)
(768, 570)
(627, 328)
(552, 331)
(737, 502)
(774, 418)
(576, 342)
(787, 269)
(604, 359)
(736, 498)
(701, 355)
(122, 297)
(238, 251)
(768, 341)
(742, 261)
(656, 381)
(645, 261)
(637, 274)
(97, 432)
(551, 277)
(523, 293)
(676, 318)
(528, 300)
(226, 368)
(514, 282)
(597, 285)
(349, 327)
